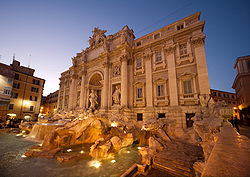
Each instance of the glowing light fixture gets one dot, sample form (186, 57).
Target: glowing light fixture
(235, 108)
(240, 107)
(138, 147)
(82, 151)
(40, 144)
(23, 156)
(128, 152)
(69, 150)
(23, 131)
(113, 161)
(95, 163)
(19, 134)
(86, 117)
(114, 124)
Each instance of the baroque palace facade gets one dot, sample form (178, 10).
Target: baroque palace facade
(162, 74)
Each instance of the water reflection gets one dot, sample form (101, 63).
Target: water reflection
(13, 164)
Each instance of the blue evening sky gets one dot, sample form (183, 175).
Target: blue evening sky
(45, 34)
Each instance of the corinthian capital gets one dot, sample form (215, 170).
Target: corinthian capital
(124, 57)
(170, 49)
(198, 41)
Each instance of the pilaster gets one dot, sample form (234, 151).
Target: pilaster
(82, 93)
(149, 81)
(173, 90)
(124, 81)
(203, 80)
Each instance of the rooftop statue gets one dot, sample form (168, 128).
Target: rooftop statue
(97, 38)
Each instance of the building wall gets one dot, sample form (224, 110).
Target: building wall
(229, 98)
(6, 81)
(162, 72)
(26, 92)
(242, 81)
(50, 104)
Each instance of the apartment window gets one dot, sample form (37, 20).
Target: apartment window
(156, 36)
(31, 108)
(14, 95)
(139, 116)
(183, 49)
(219, 94)
(160, 90)
(179, 27)
(11, 106)
(35, 98)
(187, 87)
(30, 98)
(248, 63)
(9, 80)
(139, 92)
(224, 95)
(233, 96)
(138, 62)
(158, 57)
(214, 93)
(33, 89)
(16, 85)
(138, 44)
(16, 77)
(7, 91)
(161, 115)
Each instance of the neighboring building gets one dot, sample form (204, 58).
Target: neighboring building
(6, 81)
(162, 74)
(49, 104)
(242, 81)
(26, 92)
(229, 98)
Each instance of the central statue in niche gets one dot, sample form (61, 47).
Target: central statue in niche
(93, 100)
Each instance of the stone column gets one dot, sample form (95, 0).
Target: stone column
(64, 94)
(124, 81)
(149, 80)
(173, 90)
(82, 93)
(200, 57)
(105, 86)
(72, 92)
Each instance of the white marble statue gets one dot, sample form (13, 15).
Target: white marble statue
(116, 96)
(93, 100)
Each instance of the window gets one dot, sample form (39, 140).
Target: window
(158, 56)
(36, 82)
(139, 116)
(30, 98)
(138, 62)
(35, 98)
(31, 108)
(219, 94)
(156, 36)
(161, 115)
(138, 44)
(187, 87)
(11, 106)
(179, 27)
(16, 77)
(160, 90)
(33, 89)
(7, 91)
(248, 64)
(214, 93)
(224, 95)
(139, 92)
(183, 49)
(16, 85)
(9, 80)
(14, 95)
(233, 96)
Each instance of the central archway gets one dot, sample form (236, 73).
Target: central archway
(95, 84)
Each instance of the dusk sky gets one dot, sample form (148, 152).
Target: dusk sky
(45, 34)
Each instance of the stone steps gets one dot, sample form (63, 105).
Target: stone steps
(173, 167)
